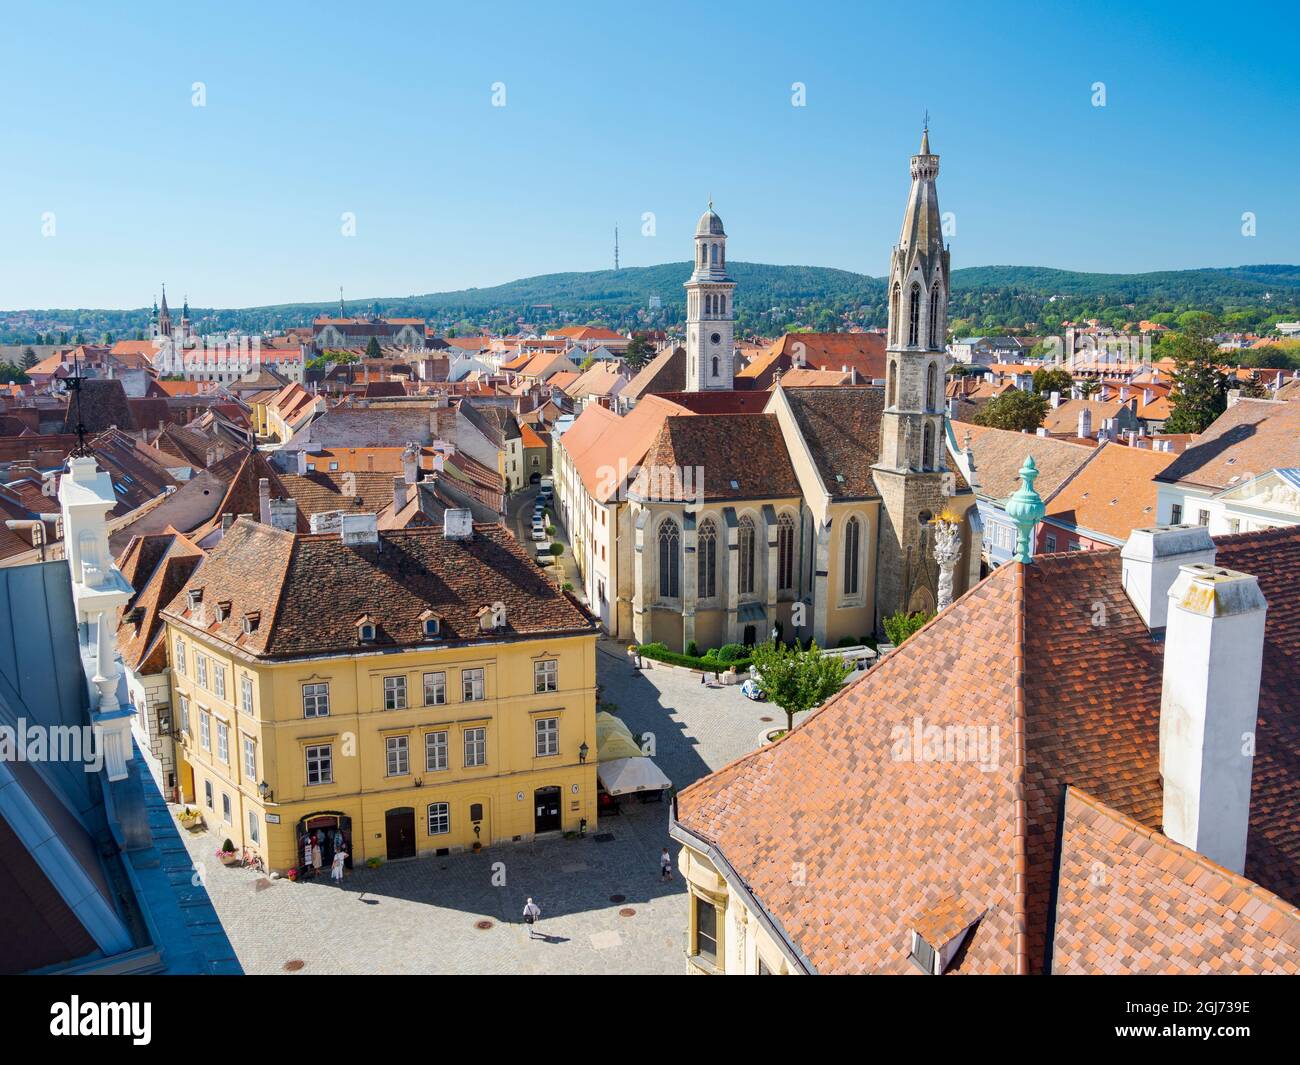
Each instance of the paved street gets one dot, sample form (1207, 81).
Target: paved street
(420, 916)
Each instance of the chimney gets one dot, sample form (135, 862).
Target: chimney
(302, 462)
(411, 463)
(1085, 423)
(399, 493)
(1214, 648)
(458, 524)
(1056, 400)
(1041, 431)
(1123, 393)
(264, 501)
(1234, 396)
(1150, 560)
(284, 515)
(357, 529)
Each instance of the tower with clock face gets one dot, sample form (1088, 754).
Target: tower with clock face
(710, 323)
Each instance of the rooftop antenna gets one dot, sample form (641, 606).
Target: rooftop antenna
(83, 449)
(342, 312)
(616, 247)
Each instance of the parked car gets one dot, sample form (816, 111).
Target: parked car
(539, 535)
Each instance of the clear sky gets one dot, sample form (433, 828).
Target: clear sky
(385, 110)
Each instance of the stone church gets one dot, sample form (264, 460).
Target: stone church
(711, 516)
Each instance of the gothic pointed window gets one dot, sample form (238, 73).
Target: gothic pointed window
(785, 553)
(852, 555)
(715, 366)
(927, 457)
(932, 387)
(892, 398)
(670, 565)
(894, 324)
(913, 316)
(745, 540)
(934, 316)
(706, 560)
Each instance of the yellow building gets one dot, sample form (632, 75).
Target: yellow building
(415, 691)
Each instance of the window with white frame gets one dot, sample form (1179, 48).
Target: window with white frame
(219, 680)
(435, 689)
(201, 670)
(225, 807)
(184, 703)
(546, 675)
(180, 656)
(223, 741)
(320, 764)
(254, 827)
(315, 700)
(475, 747)
(439, 818)
(250, 758)
(435, 751)
(246, 694)
(207, 794)
(471, 685)
(205, 730)
(548, 736)
(394, 693)
(399, 760)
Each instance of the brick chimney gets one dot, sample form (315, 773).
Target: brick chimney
(1214, 650)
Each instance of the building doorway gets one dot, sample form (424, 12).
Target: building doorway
(751, 634)
(546, 810)
(330, 831)
(399, 831)
(187, 782)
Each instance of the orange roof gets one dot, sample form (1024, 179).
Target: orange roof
(530, 437)
(1113, 493)
(605, 447)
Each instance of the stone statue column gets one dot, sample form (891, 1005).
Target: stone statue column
(947, 550)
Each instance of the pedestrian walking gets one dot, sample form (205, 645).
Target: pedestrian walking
(532, 914)
(665, 866)
(336, 867)
(315, 856)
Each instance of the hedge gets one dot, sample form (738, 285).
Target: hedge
(706, 664)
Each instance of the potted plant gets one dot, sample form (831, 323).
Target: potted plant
(477, 846)
(292, 874)
(227, 853)
(372, 863)
(190, 818)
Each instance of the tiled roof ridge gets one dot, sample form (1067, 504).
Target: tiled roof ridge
(1242, 883)
(1019, 808)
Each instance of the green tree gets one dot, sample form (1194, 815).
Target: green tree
(1200, 388)
(1089, 388)
(797, 680)
(1049, 381)
(373, 350)
(899, 626)
(11, 374)
(29, 359)
(1015, 410)
(638, 353)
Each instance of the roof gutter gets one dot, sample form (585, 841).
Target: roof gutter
(734, 881)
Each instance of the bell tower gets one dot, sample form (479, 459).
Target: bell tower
(710, 321)
(911, 472)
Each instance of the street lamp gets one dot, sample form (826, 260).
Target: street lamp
(264, 790)
(583, 751)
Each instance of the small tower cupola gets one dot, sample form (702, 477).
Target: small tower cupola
(710, 310)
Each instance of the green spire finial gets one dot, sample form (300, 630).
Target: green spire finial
(1025, 508)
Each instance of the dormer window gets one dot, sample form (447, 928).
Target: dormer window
(366, 629)
(251, 620)
(939, 934)
(492, 618)
(430, 625)
(195, 597)
(223, 611)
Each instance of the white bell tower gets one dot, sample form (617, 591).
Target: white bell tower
(710, 321)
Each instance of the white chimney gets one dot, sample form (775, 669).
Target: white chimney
(1056, 400)
(1214, 648)
(1041, 431)
(355, 529)
(399, 493)
(264, 501)
(458, 524)
(1085, 423)
(1149, 564)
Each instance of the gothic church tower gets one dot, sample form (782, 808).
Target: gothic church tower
(710, 323)
(911, 474)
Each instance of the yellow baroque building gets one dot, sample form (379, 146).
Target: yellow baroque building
(399, 693)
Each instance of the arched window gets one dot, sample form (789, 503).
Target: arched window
(913, 316)
(895, 325)
(892, 397)
(934, 316)
(746, 544)
(715, 366)
(852, 550)
(932, 387)
(785, 553)
(670, 565)
(927, 456)
(714, 255)
(706, 559)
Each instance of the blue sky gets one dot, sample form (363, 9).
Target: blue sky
(385, 110)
